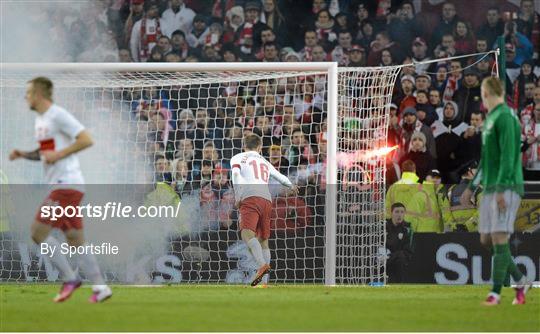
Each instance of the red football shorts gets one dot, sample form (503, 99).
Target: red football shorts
(62, 198)
(255, 213)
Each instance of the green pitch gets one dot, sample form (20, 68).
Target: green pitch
(278, 308)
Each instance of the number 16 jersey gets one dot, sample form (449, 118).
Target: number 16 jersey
(250, 175)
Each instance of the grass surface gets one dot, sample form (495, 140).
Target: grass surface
(278, 308)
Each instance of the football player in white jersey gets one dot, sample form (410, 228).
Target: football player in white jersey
(60, 136)
(250, 175)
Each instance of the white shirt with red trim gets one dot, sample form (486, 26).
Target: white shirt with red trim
(251, 174)
(55, 130)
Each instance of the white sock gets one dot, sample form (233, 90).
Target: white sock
(256, 250)
(60, 260)
(90, 268)
(267, 257)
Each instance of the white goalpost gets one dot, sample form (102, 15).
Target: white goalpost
(177, 125)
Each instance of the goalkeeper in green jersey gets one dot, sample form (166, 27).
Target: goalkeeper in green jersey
(501, 176)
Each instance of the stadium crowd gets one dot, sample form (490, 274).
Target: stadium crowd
(436, 113)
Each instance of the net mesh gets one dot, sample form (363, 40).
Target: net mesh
(179, 130)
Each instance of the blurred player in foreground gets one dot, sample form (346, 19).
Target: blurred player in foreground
(250, 175)
(501, 177)
(60, 136)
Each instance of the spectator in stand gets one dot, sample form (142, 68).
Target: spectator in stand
(310, 41)
(177, 16)
(447, 47)
(425, 111)
(453, 81)
(528, 22)
(386, 58)
(342, 22)
(179, 44)
(404, 26)
(405, 97)
(403, 190)
(271, 52)
(181, 178)
(324, 26)
(483, 67)
(471, 143)
(356, 56)
(272, 17)
(481, 44)
(124, 56)
(526, 76)
(446, 24)
(339, 53)
(165, 44)
(464, 37)
(233, 20)
(366, 34)
(209, 54)
(435, 101)
(162, 168)
(156, 55)
(383, 42)
(197, 36)
(229, 53)
(529, 93)
(318, 54)
(185, 151)
(510, 58)
(411, 124)
(522, 45)
(493, 27)
(292, 57)
(447, 133)
(220, 9)
(418, 154)
(136, 12)
(145, 34)
(467, 97)
(249, 32)
(398, 240)
(278, 160)
(232, 143)
(186, 125)
(318, 5)
(300, 151)
(423, 82)
(361, 14)
(213, 38)
(267, 36)
(441, 77)
(419, 54)
(532, 138)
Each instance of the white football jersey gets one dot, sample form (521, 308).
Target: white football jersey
(251, 174)
(55, 130)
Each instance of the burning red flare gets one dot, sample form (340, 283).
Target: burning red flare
(348, 159)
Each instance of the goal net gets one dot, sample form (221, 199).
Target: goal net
(165, 134)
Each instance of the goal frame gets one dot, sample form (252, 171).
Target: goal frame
(331, 68)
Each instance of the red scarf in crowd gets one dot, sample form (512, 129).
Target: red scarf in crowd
(451, 87)
(528, 129)
(147, 38)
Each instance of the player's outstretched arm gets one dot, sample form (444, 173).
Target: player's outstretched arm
(82, 141)
(282, 179)
(30, 155)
